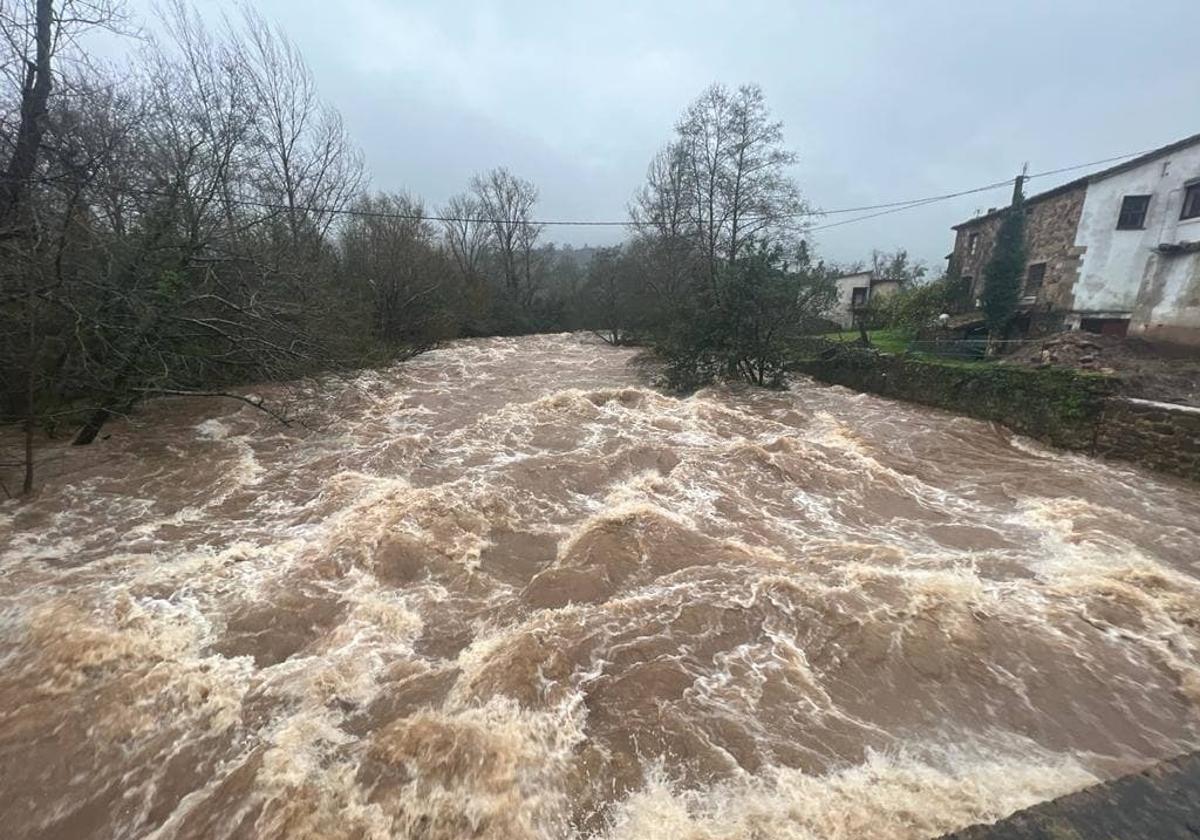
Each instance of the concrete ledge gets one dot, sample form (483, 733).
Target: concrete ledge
(1161, 803)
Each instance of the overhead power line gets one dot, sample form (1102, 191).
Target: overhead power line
(901, 205)
(884, 209)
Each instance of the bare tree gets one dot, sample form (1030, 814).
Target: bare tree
(735, 169)
(899, 266)
(663, 221)
(507, 203)
(307, 161)
(35, 96)
(467, 235)
(389, 248)
(34, 38)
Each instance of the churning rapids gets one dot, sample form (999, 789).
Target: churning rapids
(505, 590)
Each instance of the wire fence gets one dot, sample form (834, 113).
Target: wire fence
(969, 348)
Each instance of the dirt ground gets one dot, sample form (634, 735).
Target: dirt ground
(1150, 371)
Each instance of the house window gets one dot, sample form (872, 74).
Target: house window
(1191, 201)
(1133, 212)
(1034, 277)
(858, 296)
(972, 243)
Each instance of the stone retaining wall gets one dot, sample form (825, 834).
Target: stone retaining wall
(1066, 408)
(1058, 406)
(1159, 435)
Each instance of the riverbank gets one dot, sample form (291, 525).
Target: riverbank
(1071, 409)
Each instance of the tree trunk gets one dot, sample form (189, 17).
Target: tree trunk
(27, 486)
(14, 184)
(91, 427)
(30, 386)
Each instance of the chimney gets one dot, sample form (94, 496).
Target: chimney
(1019, 185)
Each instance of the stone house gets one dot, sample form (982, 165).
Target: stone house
(1114, 252)
(854, 291)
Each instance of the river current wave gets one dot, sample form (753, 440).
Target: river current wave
(508, 590)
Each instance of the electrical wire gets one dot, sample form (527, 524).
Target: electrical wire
(886, 209)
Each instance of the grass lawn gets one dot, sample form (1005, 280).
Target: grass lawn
(897, 341)
(886, 341)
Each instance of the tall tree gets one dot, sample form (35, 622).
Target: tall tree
(36, 80)
(35, 38)
(665, 230)
(605, 294)
(467, 234)
(507, 203)
(736, 174)
(718, 227)
(307, 163)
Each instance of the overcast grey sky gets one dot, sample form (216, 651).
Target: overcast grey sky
(882, 100)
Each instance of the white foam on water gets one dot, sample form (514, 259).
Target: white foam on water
(914, 793)
(776, 558)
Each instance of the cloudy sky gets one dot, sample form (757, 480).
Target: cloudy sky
(882, 100)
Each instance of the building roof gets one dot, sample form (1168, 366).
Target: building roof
(1170, 148)
(870, 274)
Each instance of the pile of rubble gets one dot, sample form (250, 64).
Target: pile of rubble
(1087, 351)
(1145, 370)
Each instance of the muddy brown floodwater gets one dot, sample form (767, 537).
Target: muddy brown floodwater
(506, 591)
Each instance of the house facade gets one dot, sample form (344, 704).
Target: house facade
(854, 292)
(1114, 252)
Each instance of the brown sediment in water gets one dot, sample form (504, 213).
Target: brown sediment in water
(505, 591)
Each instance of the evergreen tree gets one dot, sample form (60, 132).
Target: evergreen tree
(1004, 269)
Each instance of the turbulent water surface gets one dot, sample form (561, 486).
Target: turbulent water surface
(505, 590)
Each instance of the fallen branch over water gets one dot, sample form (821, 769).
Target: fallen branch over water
(255, 401)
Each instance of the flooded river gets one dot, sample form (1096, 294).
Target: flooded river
(506, 590)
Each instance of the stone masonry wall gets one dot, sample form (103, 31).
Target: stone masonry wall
(1051, 223)
(1162, 436)
(1055, 405)
(1063, 407)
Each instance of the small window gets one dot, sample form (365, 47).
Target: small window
(1133, 212)
(972, 243)
(858, 296)
(1191, 201)
(1034, 277)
